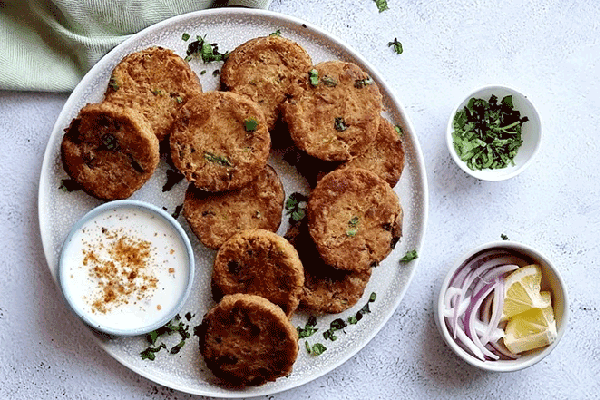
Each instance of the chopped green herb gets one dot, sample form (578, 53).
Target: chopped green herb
(409, 256)
(69, 185)
(216, 73)
(150, 352)
(295, 207)
(113, 83)
(397, 46)
(202, 72)
(504, 237)
(157, 92)
(250, 124)
(276, 33)
(352, 320)
(313, 77)
(361, 83)
(109, 142)
(335, 325)
(487, 134)
(185, 37)
(352, 227)
(316, 350)
(327, 81)
(339, 124)
(220, 160)
(309, 329)
(399, 130)
(381, 5)
(208, 52)
(365, 309)
(173, 326)
(177, 211)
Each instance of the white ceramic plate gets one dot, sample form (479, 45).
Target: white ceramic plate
(59, 210)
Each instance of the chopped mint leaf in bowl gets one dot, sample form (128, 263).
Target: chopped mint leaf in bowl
(494, 133)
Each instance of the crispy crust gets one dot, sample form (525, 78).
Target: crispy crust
(265, 69)
(214, 218)
(156, 82)
(211, 146)
(354, 218)
(262, 263)
(335, 121)
(326, 289)
(246, 340)
(109, 150)
(384, 157)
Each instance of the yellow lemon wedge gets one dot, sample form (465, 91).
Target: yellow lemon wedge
(522, 291)
(531, 329)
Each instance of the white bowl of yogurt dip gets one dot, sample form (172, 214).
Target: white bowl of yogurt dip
(126, 268)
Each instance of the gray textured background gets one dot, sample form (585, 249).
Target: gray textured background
(549, 51)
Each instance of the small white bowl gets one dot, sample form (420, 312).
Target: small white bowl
(551, 280)
(531, 133)
(126, 268)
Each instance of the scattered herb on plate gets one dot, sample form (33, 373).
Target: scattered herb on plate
(309, 329)
(173, 326)
(185, 37)
(69, 185)
(397, 46)
(361, 83)
(177, 211)
(295, 207)
(504, 237)
(487, 134)
(335, 325)
(316, 350)
(208, 52)
(409, 256)
(276, 33)
(381, 5)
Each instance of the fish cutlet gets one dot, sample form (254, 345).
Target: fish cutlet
(248, 341)
(220, 141)
(354, 218)
(155, 81)
(326, 289)
(266, 69)
(262, 263)
(385, 156)
(215, 217)
(336, 115)
(109, 150)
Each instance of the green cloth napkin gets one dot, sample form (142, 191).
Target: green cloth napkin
(48, 45)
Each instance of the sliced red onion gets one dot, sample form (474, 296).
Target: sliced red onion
(471, 313)
(501, 349)
(498, 303)
(468, 343)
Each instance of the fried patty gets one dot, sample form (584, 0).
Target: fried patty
(385, 156)
(156, 82)
(354, 218)
(221, 141)
(109, 150)
(246, 340)
(326, 289)
(262, 263)
(266, 70)
(336, 115)
(215, 217)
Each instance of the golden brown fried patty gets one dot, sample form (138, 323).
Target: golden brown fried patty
(109, 150)
(156, 82)
(354, 218)
(326, 289)
(265, 69)
(262, 263)
(221, 141)
(215, 217)
(384, 157)
(336, 116)
(247, 340)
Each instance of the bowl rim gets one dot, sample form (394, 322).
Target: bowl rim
(502, 365)
(181, 235)
(487, 174)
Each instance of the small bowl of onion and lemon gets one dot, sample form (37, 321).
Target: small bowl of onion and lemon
(502, 307)
(494, 133)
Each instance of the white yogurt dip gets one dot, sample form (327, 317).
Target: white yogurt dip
(126, 269)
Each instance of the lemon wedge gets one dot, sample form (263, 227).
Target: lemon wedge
(522, 292)
(531, 329)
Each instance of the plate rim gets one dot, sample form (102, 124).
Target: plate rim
(242, 12)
